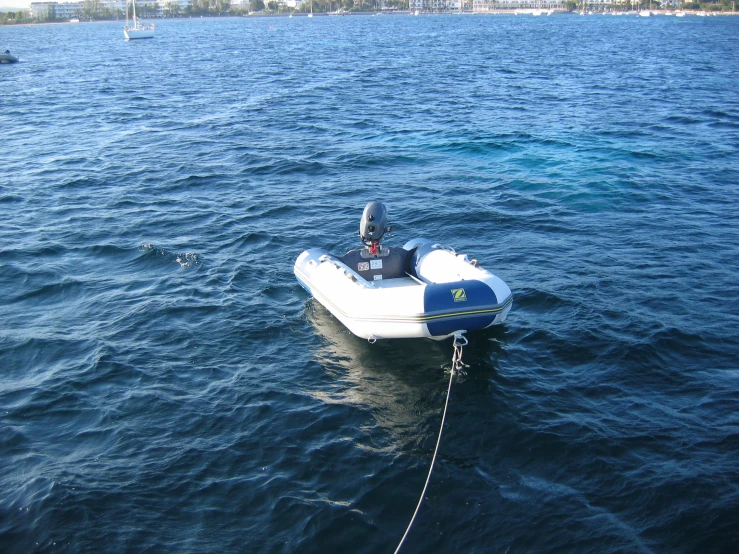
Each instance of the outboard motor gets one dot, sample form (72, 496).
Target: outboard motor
(376, 262)
(373, 225)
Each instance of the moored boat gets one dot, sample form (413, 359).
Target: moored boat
(7, 57)
(137, 30)
(420, 290)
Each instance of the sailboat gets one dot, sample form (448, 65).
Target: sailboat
(138, 30)
(311, 9)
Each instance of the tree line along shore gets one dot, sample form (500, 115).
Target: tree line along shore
(95, 11)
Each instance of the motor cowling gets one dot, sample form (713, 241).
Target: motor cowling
(373, 224)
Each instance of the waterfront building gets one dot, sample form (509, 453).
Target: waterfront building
(482, 6)
(43, 11)
(68, 10)
(47, 11)
(434, 5)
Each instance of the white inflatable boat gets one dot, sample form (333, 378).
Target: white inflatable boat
(420, 290)
(7, 57)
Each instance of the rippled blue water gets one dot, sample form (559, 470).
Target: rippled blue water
(167, 385)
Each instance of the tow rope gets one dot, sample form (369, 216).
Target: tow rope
(460, 341)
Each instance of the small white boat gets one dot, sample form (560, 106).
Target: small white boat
(7, 57)
(644, 13)
(138, 29)
(420, 290)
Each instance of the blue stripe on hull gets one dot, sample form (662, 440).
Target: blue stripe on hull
(447, 326)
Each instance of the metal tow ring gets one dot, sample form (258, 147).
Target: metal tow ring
(460, 341)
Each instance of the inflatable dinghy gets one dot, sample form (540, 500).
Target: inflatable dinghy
(7, 57)
(420, 290)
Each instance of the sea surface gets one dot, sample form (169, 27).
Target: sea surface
(166, 385)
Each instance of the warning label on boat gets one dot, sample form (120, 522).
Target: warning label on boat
(363, 266)
(376, 264)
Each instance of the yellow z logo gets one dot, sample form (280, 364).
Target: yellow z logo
(459, 295)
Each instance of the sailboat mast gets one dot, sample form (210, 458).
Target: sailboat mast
(134, 13)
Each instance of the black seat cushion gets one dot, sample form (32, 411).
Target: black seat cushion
(373, 267)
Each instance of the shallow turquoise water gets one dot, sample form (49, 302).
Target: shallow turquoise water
(168, 386)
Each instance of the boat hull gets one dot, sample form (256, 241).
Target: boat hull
(443, 294)
(133, 34)
(8, 58)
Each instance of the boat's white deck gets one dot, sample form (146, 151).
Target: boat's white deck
(398, 282)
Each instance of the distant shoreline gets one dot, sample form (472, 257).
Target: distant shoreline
(372, 13)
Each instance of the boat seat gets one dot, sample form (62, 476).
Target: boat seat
(389, 263)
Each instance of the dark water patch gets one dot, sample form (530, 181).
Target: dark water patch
(539, 300)
(110, 251)
(64, 291)
(684, 119)
(370, 161)
(719, 114)
(13, 441)
(724, 125)
(308, 167)
(644, 155)
(482, 147)
(11, 199)
(670, 355)
(194, 181)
